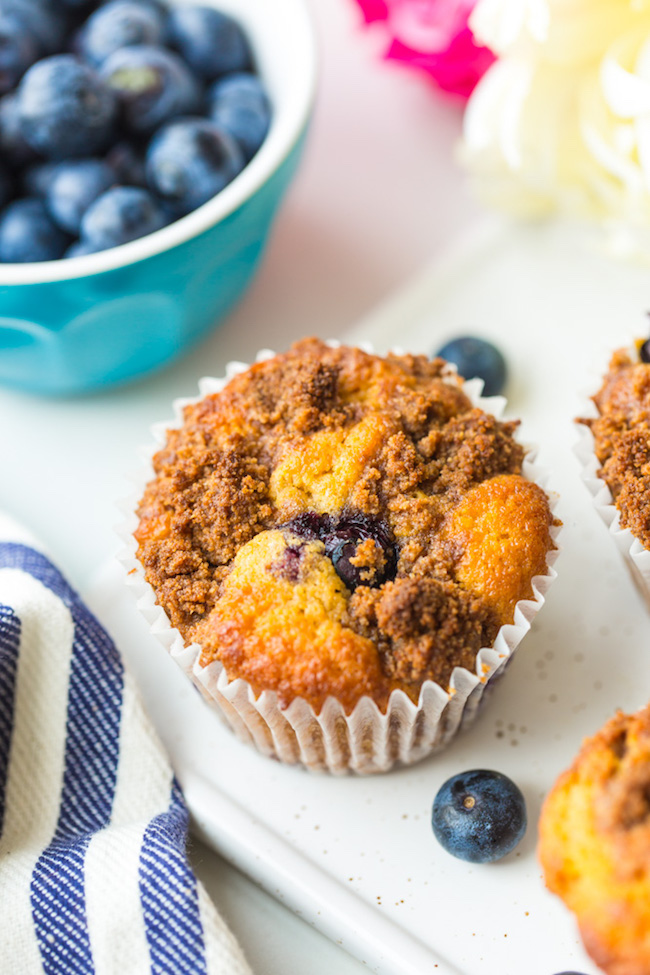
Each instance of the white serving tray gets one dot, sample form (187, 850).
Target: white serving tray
(356, 856)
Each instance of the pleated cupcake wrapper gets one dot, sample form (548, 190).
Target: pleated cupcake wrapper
(636, 557)
(366, 740)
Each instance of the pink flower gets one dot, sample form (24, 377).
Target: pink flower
(433, 35)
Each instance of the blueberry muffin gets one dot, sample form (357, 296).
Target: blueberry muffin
(334, 524)
(594, 843)
(622, 439)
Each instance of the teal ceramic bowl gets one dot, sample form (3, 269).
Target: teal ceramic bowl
(90, 322)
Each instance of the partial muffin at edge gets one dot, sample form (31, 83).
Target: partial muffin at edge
(594, 843)
(622, 439)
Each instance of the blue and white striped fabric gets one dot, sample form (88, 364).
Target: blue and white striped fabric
(93, 874)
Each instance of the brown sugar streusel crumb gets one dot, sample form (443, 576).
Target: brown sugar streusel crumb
(336, 523)
(622, 439)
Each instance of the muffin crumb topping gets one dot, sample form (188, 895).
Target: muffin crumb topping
(336, 523)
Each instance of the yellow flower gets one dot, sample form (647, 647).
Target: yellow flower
(562, 120)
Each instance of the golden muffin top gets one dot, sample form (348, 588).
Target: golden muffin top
(337, 523)
(622, 439)
(595, 843)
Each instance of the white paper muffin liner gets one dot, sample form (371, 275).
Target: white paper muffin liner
(636, 557)
(366, 740)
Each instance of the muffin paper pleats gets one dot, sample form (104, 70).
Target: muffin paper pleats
(636, 557)
(366, 740)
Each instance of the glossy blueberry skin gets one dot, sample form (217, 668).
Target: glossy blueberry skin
(18, 50)
(121, 214)
(72, 187)
(43, 19)
(239, 104)
(476, 357)
(13, 148)
(27, 233)
(190, 161)
(120, 23)
(211, 42)
(36, 179)
(65, 109)
(479, 816)
(127, 162)
(153, 86)
(80, 248)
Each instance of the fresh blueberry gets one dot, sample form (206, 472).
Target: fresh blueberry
(479, 816)
(43, 19)
(27, 233)
(341, 545)
(6, 186)
(121, 214)
(127, 163)
(13, 148)
(190, 161)
(73, 186)
(211, 42)
(120, 23)
(644, 351)
(475, 357)
(152, 85)
(65, 108)
(37, 178)
(239, 104)
(18, 50)
(80, 248)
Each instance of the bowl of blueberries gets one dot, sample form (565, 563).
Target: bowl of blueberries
(145, 146)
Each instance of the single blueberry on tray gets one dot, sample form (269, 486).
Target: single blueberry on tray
(239, 104)
(27, 233)
(190, 161)
(211, 42)
(475, 357)
(120, 23)
(152, 85)
(479, 816)
(121, 214)
(65, 109)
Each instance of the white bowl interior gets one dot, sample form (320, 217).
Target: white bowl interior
(282, 37)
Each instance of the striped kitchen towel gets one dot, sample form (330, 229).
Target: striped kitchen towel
(93, 872)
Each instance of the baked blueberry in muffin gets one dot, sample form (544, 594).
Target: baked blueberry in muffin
(338, 524)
